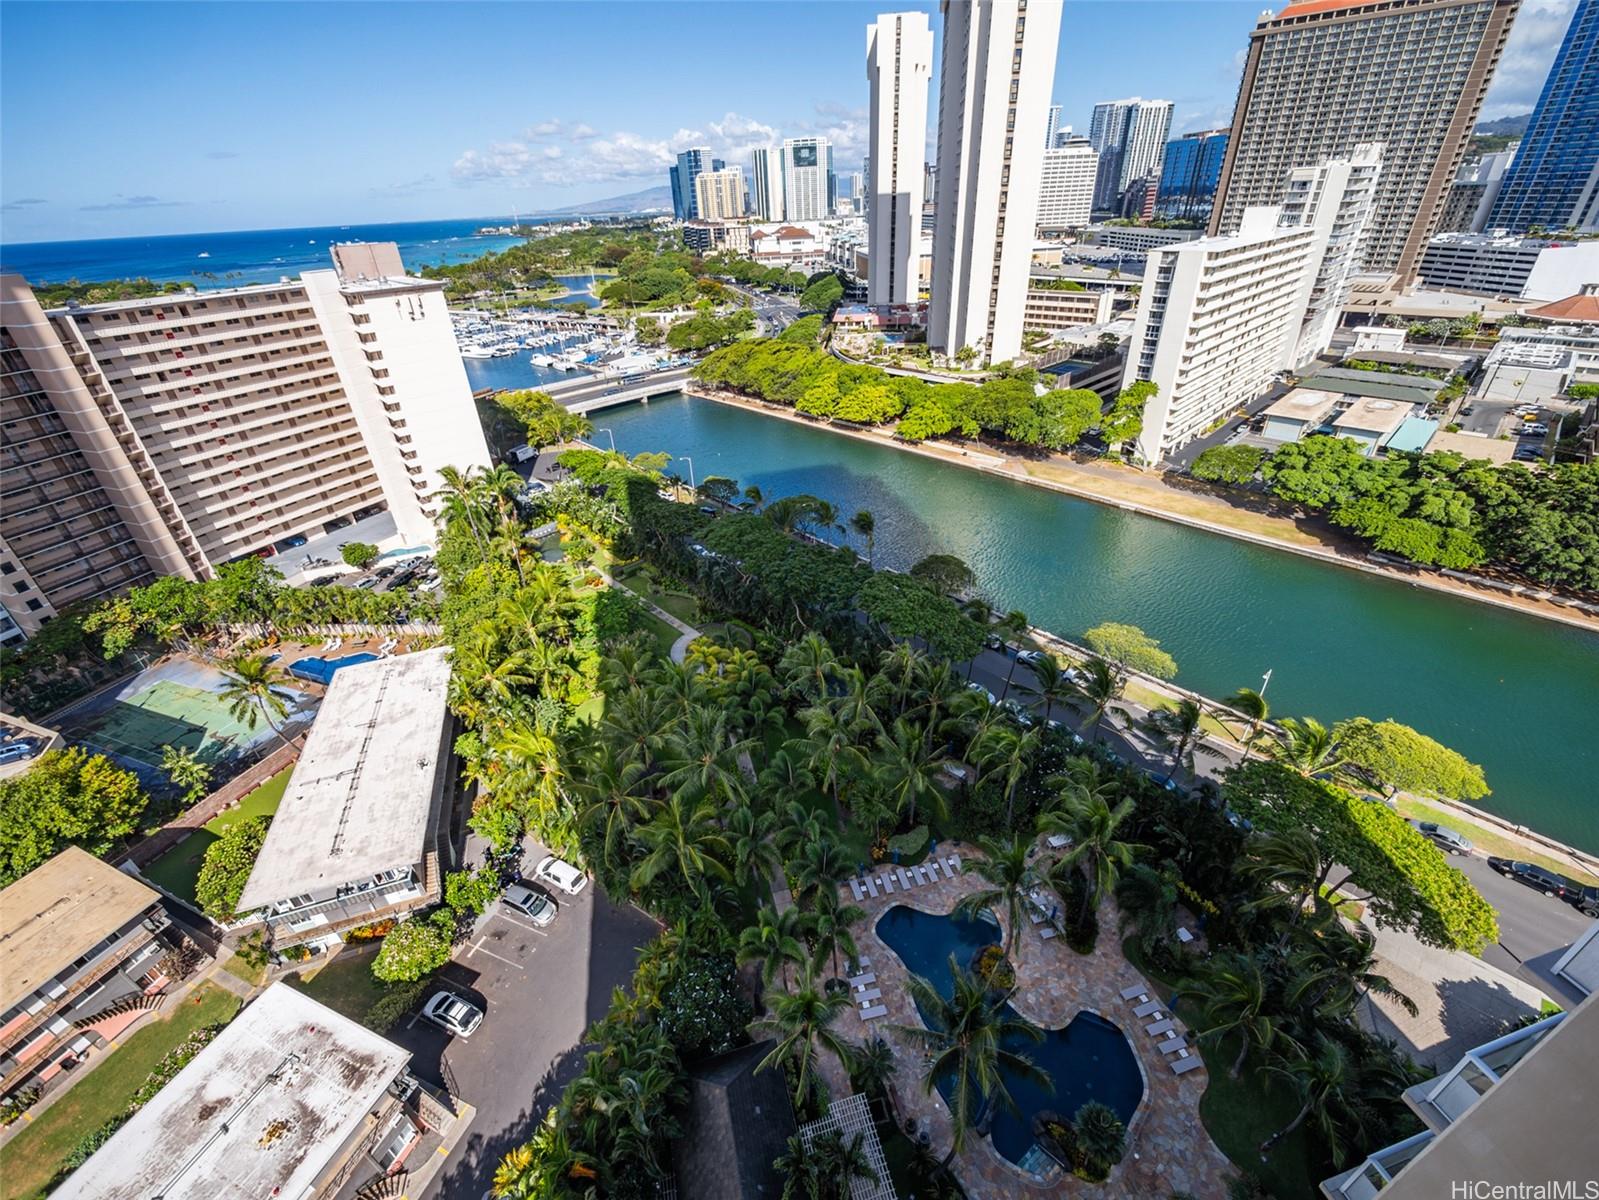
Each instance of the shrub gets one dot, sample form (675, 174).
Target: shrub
(415, 948)
(994, 968)
(19, 1102)
(227, 865)
(469, 893)
(704, 1008)
(372, 932)
(359, 555)
(397, 1000)
(910, 843)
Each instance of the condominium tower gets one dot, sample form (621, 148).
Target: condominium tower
(1554, 182)
(1189, 172)
(1325, 75)
(690, 162)
(719, 195)
(1130, 136)
(1066, 187)
(766, 184)
(1052, 127)
(807, 179)
(168, 435)
(899, 66)
(996, 72)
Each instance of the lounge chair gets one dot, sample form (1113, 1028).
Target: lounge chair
(1183, 935)
(932, 869)
(1058, 841)
(1160, 1027)
(863, 961)
(1149, 1008)
(871, 1014)
(855, 886)
(920, 873)
(1180, 1066)
(1046, 932)
(871, 887)
(864, 979)
(1173, 1044)
(869, 994)
(905, 879)
(1138, 991)
(887, 880)
(954, 863)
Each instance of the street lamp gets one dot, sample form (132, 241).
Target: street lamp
(1265, 681)
(690, 463)
(610, 435)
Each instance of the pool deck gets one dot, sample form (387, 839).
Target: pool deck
(1168, 1149)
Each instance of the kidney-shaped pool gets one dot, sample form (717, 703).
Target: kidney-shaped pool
(1088, 1060)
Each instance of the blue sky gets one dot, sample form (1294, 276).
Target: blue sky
(133, 118)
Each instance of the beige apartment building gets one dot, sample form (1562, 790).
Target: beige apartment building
(720, 194)
(169, 435)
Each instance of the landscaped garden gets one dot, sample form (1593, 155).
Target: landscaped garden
(179, 868)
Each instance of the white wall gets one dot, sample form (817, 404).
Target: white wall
(898, 152)
(1563, 271)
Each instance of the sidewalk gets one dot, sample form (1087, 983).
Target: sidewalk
(679, 647)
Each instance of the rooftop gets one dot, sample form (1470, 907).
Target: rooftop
(360, 799)
(56, 912)
(1583, 308)
(261, 1111)
(1373, 416)
(737, 1124)
(1383, 385)
(1472, 446)
(1412, 435)
(1305, 404)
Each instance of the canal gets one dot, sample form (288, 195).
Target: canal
(1514, 693)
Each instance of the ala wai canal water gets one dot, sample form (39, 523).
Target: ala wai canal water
(1517, 694)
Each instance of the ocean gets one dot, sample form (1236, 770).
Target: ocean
(244, 256)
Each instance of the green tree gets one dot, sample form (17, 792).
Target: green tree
(1010, 876)
(773, 941)
(1321, 1079)
(944, 573)
(1232, 465)
(1307, 746)
(1177, 727)
(1400, 759)
(1125, 421)
(823, 294)
(67, 796)
(1234, 1000)
(864, 524)
(1088, 819)
(1251, 705)
(414, 948)
(1130, 648)
(1100, 1136)
(468, 894)
(1100, 687)
(359, 555)
(802, 1023)
(186, 772)
(226, 867)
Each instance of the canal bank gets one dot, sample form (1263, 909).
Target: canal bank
(1510, 692)
(1133, 493)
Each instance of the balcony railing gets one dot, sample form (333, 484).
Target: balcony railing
(92, 974)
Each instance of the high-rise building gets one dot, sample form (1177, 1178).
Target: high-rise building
(1189, 173)
(766, 184)
(169, 435)
(1325, 75)
(1052, 127)
(1130, 136)
(1471, 197)
(1554, 182)
(997, 68)
(690, 163)
(807, 179)
(1220, 317)
(1066, 187)
(899, 67)
(719, 195)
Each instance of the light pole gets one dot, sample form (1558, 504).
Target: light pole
(1265, 682)
(690, 463)
(610, 435)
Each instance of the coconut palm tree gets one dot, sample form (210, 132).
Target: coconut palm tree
(802, 1023)
(186, 772)
(874, 1066)
(1147, 899)
(807, 666)
(830, 921)
(821, 865)
(841, 1160)
(965, 1039)
(532, 761)
(1335, 969)
(774, 942)
(251, 692)
(1232, 995)
(462, 500)
(1007, 753)
(701, 756)
(607, 789)
(755, 857)
(1092, 825)
(1010, 877)
(1306, 745)
(1323, 1081)
(865, 524)
(1251, 705)
(1099, 688)
(1049, 684)
(1178, 729)
(1288, 870)
(1101, 1136)
(683, 840)
(830, 751)
(907, 769)
(753, 495)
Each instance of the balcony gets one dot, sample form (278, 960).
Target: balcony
(131, 944)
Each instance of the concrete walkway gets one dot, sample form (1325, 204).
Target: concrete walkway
(679, 647)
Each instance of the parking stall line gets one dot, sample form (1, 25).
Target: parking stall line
(528, 925)
(510, 962)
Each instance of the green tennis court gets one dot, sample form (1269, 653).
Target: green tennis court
(168, 714)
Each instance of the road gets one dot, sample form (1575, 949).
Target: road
(1534, 930)
(773, 314)
(576, 395)
(539, 989)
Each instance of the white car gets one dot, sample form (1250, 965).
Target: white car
(535, 906)
(974, 686)
(561, 874)
(449, 1012)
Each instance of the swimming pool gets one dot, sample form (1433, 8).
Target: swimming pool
(1088, 1060)
(321, 670)
(406, 552)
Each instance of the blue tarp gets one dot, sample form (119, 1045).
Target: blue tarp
(1413, 434)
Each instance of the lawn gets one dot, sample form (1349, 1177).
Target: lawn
(346, 984)
(1485, 838)
(665, 635)
(38, 1152)
(179, 867)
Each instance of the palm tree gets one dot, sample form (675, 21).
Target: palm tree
(965, 1038)
(1253, 706)
(1147, 899)
(1099, 688)
(1101, 1136)
(185, 771)
(802, 1022)
(1178, 729)
(830, 751)
(807, 665)
(702, 757)
(753, 495)
(865, 524)
(774, 942)
(683, 840)
(1010, 876)
(1007, 752)
(1092, 824)
(251, 692)
(830, 921)
(1336, 969)
(533, 764)
(1049, 684)
(461, 499)
(820, 867)
(1231, 992)
(841, 1161)
(546, 1167)
(754, 855)
(1306, 745)
(1288, 869)
(1319, 1079)
(874, 1066)
(907, 768)
(607, 789)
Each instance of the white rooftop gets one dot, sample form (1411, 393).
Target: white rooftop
(260, 1112)
(1374, 415)
(360, 798)
(1305, 404)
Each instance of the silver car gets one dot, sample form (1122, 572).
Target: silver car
(1446, 839)
(535, 906)
(449, 1012)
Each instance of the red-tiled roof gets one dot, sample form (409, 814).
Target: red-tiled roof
(790, 231)
(1307, 7)
(1573, 308)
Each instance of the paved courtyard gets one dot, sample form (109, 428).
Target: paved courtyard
(1168, 1148)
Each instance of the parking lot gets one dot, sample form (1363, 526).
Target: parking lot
(539, 989)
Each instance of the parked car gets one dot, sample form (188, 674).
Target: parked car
(1028, 657)
(560, 874)
(1534, 429)
(974, 686)
(449, 1012)
(1018, 713)
(1530, 874)
(994, 642)
(1584, 897)
(289, 543)
(1445, 838)
(535, 906)
(18, 749)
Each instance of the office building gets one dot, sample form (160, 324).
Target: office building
(1052, 127)
(81, 950)
(711, 237)
(899, 66)
(1066, 186)
(1189, 173)
(1219, 318)
(690, 163)
(1136, 238)
(1507, 265)
(1471, 196)
(766, 184)
(807, 179)
(1325, 75)
(1130, 136)
(290, 1099)
(168, 435)
(997, 69)
(1554, 183)
(358, 834)
(719, 195)
(1052, 305)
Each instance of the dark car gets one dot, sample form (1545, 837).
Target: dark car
(1584, 897)
(1530, 874)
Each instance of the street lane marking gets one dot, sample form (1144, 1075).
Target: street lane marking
(510, 962)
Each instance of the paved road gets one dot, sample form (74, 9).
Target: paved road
(571, 395)
(540, 989)
(773, 314)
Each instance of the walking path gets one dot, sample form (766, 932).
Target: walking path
(679, 647)
(1151, 495)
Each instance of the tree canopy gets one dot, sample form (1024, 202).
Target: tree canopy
(1401, 759)
(1130, 648)
(67, 796)
(226, 867)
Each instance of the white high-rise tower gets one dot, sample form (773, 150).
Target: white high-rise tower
(899, 66)
(766, 184)
(996, 73)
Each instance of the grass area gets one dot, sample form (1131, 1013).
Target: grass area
(345, 984)
(665, 635)
(179, 867)
(1486, 838)
(1140, 693)
(38, 1152)
(239, 969)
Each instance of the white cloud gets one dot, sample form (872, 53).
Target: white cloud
(1529, 52)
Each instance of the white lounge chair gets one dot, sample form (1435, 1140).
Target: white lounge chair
(863, 980)
(869, 994)
(905, 880)
(855, 886)
(1150, 1008)
(1058, 841)
(871, 1014)
(932, 869)
(920, 873)
(1173, 1044)
(887, 880)
(1180, 1066)
(954, 863)
(1183, 935)
(1138, 991)
(1160, 1027)
(1046, 932)
(871, 887)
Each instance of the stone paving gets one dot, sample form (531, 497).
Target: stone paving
(1168, 1149)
